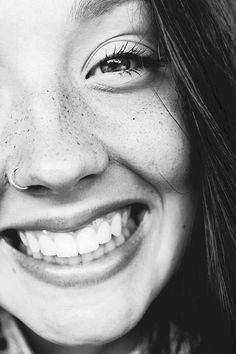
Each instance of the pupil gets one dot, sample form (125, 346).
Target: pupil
(112, 65)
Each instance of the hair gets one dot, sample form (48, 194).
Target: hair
(198, 307)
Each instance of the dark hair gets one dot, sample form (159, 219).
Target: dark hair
(198, 305)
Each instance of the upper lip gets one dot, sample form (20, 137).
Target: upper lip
(70, 219)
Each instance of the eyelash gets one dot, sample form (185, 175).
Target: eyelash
(150, 61)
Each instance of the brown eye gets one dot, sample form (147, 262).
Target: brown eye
(122, 64)
(115, 64)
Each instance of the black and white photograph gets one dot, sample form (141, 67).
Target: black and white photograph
(117, 176)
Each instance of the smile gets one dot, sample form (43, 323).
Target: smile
(91, 242)
(93, 252)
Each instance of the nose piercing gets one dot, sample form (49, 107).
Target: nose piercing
(12, 182)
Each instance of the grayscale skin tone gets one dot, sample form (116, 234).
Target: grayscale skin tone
(88, 138)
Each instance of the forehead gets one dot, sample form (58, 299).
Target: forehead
(41, 34)
(54, 19)
(56, 9)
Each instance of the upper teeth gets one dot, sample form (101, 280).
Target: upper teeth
(70, 244)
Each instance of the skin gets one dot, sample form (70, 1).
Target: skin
(81, 142)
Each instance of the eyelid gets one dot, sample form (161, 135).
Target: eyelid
(134, 84)
(108, 48)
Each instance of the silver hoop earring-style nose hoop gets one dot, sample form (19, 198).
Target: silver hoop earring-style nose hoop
(12, 178)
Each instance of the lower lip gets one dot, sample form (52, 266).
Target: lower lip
(83, 274)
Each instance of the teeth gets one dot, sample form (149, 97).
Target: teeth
(116, 225)
(104, 233)
(29, 252)
(47, 246)
(97, 222)
(23, 238)
(125, 216)
(119, 240)
(65, 245)
(49, 259)
(126, 232)
(33, 243)
(110, 246)
(61, 260)
(38, 255)
(98, 253)
(87, 240)
(74, 260)
(84, 245)
(88, 257)
(131, 225)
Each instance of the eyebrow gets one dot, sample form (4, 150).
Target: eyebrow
(90, 9)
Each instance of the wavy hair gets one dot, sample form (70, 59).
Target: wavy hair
(197, 307)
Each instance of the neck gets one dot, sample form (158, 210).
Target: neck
(127, 344)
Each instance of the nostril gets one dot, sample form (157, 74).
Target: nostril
(39, 188)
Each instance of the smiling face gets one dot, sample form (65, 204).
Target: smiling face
(90, 117)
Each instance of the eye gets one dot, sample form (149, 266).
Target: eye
(123, 64)
(116, 65)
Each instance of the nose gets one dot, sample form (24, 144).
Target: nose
(62, 171)
(57, 157)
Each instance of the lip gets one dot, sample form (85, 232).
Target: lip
(71, 219)
(83, 274)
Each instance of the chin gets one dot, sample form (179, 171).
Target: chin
(91, 328)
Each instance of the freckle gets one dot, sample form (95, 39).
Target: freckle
(47, 90)
(78, 143)
(53, 98)
(68, 111)
(82, 114)
(6, 142)
(184, 226)
(133, 118)
(14, 146)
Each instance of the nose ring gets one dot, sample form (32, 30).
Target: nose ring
(12, 182)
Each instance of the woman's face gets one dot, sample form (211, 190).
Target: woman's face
(96, 133)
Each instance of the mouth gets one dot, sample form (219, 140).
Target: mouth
(91, 243)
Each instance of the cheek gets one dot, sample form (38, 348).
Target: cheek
(174, 234)
(144, 131)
